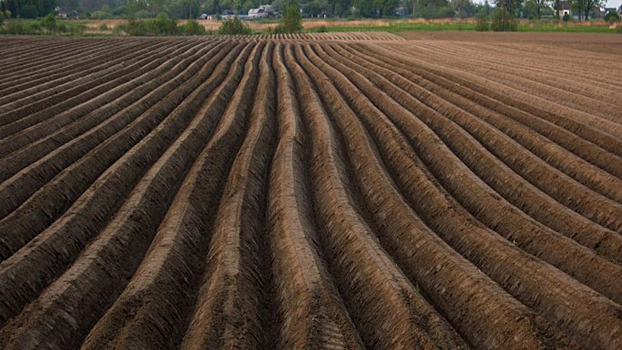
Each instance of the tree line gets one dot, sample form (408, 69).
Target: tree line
(183, 9)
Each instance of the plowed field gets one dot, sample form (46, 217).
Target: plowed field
(318, 191)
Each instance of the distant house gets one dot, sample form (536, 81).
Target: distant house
(60, 13)
(599, 12)
(565, 8)
(620, 11)
(227, 14)
(263, 11)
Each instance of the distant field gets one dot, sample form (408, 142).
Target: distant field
(393, 25)
(556, 42)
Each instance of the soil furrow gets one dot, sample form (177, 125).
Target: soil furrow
(461, 95)
(60, 244)
(353, 250)
(500, 216)
(419, 250)
(311, 314)
(29, 169)
(528, 198)
(536, 171)
(560, 299)
(49, 84)
(41, 209)
(514, 97)
(76, 97)
(143, 316)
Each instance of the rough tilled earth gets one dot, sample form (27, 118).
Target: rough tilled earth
(326, 191)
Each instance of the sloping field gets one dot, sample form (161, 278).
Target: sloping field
(355, 191)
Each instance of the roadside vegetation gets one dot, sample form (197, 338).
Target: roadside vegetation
(234, 26)
(291, 22)
(45, 26)
(161, 26)
(545, 25)
(429, 15)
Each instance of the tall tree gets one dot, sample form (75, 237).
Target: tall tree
(539, 5)
(464, 8)
(512, 6)
(578, 6)
(11, 5)
(590, 5)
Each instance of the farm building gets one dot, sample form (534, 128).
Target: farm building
(565, 8)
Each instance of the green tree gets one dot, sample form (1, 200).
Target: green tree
(193, 27)
(49, 22)
(291, 22)
(316, 8)
(234, 27)
(11, 5)
(432, 8)
(385, 7)
(183, 9)
(483, 22)
(464, 8)
(611, 17)
(578, 6)
(512, 6)
(487, 9)
(502, 21)
(590, 5)
(537, 6)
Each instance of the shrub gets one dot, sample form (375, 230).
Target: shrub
(502, 21)
(619, 30)
(291, 22)
(76, 28)
(49, 22)
(62, 28)
(234, 27)
(101, 15)
(431, 12)
(193, 27)
(566, 18)
(144, 14)
(134, 27)
(15, 28)
(483, 23)
(611, 17)
(162, 25)
(104, 26)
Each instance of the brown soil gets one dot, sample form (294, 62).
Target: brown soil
(560, 42)
(312, 191)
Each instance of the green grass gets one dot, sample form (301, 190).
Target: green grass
(405, 27)
(78, 28)
(400, 27)
(36, 27)
(565, 27)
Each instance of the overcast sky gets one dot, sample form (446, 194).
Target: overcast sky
(610, 3)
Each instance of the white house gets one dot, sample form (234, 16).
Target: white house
(565, 8)
(263, 11)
